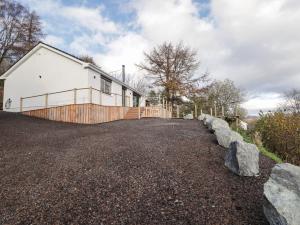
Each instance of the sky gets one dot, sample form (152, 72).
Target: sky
(255, 43)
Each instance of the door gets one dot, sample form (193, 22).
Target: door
(136, 99)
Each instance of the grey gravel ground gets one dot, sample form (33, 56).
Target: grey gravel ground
(148, 171)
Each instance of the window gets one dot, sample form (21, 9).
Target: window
(105, 85)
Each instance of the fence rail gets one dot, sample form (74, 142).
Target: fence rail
(156, 111)
(89, 97)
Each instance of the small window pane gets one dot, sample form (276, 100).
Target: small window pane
(105, 85)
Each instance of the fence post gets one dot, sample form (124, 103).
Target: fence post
(75, 96)
(236, 118)
(223, 112)
(196, 113)
(139, 111)
(91, 94)
(21, 104)
(177, 109)
(100, 97)
(215, 106)
(211, 112)
(46, 100)
(159, 100)
(201, 111)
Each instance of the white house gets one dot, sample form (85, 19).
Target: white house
(48, 71)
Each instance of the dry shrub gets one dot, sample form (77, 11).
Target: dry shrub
(280, 133)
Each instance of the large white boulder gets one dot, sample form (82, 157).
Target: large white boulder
(217, 123)
(242, 158)
(188, 117)
(202, 116)
(282, 195)
(207, 120)
(225, 136)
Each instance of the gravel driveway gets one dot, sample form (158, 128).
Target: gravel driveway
(149, 171)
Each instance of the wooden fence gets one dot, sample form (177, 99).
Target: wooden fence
(90, 112)
(80, 113)
(74, 99)
(156, 111)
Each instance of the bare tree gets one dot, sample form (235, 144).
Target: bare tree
(20, 30)
(224, 94)
(32, 33)
(141, 85)
(292, 101)
(172, 67)
(87, 59)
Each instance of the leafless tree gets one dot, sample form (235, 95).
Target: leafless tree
(32, 33)
(226, 94)
(173, 67)
(87, 59)
(20, 30)
(292, 101)
(141, 85)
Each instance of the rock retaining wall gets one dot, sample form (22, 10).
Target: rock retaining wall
(281, 191)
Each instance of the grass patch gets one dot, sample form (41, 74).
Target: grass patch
(263, 150)
(269, 154)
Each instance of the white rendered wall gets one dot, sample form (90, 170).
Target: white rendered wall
(57, 73)
(114, 99)
(129, 99)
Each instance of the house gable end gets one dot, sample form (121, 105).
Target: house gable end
(35, 50)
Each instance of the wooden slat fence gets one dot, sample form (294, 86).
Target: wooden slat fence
(156, 111)
(80, 113)
(90, 112)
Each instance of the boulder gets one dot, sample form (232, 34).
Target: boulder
(225, 136)
(188, 117)
(242, 158)
(202, 116)
(207, 120)
(282, 195)
(217, 123)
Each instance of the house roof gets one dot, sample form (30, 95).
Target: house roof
(67, 55)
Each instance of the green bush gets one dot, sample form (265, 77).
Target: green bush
(280, 132)
(249, 137)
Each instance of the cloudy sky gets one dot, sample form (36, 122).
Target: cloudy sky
(255, 43)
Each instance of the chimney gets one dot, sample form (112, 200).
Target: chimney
(123, 73)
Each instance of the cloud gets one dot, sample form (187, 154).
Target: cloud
(263, 102)
(80, 26)
(89, 18)
(263, 40)
(125, 50)
(54, 40)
